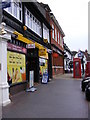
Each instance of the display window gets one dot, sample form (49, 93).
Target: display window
(43, 64)
(16, 68)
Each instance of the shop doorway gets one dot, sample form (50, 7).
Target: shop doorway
(33, 64)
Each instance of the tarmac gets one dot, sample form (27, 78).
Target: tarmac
(60, 98)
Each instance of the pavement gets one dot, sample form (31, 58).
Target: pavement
(60, 98)
(66, 76)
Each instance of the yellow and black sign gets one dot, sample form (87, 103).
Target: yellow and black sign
(45, 40)
(42, 52)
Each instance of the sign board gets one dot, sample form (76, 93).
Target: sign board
(45, 78)
(16, 48)
(42, 52)
(29, 46)
(45, 40)
(31, 79)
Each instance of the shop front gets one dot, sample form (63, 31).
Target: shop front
(16, 67)
(37, 58)
(43, 66)
(24, 56)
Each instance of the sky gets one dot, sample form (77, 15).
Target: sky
(72, 16)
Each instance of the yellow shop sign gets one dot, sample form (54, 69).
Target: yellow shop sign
(45, 40)
(42, 52)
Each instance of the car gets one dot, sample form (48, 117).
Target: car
(84, 83)
(87, 92)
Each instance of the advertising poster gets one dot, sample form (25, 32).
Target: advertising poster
(43, 65)
(16, 68)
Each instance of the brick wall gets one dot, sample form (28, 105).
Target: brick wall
(57, 65)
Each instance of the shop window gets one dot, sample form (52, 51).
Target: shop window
(43, 64)
(16, 67)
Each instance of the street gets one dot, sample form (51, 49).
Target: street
(58, 99)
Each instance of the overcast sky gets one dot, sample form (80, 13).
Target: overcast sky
(72, 16)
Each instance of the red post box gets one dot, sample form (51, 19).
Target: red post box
(77, 68)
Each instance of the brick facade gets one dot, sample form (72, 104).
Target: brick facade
(57, 65)
(57, 62)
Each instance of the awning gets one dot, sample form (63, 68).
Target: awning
(22, 38)
(42, 50)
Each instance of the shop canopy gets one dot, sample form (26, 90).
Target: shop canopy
(27, 41)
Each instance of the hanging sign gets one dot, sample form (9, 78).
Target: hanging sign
(42, 52)
(45, 40)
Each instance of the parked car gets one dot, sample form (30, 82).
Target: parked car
(87, 92)
(84, 83)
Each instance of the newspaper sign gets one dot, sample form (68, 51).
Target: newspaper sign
(45, 78)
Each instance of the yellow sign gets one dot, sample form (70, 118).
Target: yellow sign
(22, 38)
(16, 68)
(42, 52)
(45, 40)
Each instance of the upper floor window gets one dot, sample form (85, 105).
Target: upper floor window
(61, 41)
(53, 31)
(58, 38)
(15, 10)
(46, 33)
(32, 22)
(55, 35)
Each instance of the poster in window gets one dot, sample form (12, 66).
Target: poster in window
(16, 68)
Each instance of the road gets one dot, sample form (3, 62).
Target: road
(58, 99)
